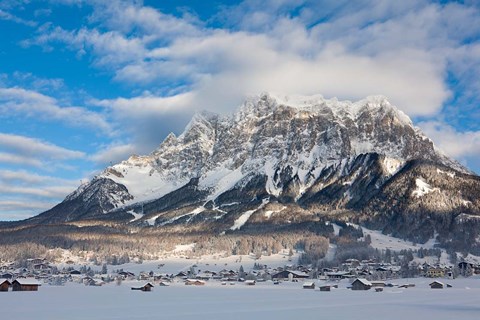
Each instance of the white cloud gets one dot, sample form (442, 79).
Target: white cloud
(454, 143)
(19, 101)
(35, 148)
(19, 160)
(462, 146)
(30, 178)
(372, 50)
(10, 17)
(57, 192)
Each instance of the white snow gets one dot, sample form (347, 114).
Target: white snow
(392, 165)
(423, 188)
(268, 213)
(336, 229)
(221, 179)
(450, 174)
(240, 221)
(192, 214)
(262, 301)
(184, 247)
(383, 241)
(151, 221)
(136, 216)
(332, 249)
(141, 181)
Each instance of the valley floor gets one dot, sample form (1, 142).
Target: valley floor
(262, 301)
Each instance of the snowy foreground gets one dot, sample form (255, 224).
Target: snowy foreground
(263, 301)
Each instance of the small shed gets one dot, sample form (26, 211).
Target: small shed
(4, 285)
(250, 282)
(436, 285)
(325, 288)
(378, 284)
(145, 288)
(25, 285)
(361, 284)
(309, 285)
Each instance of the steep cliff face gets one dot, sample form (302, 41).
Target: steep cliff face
(283, 159)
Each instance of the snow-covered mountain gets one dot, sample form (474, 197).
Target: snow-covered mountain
(278, 160)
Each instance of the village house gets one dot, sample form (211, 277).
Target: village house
(25, 285)
(361, 284)
(250, 282)
(181, 274)
(337, 275)
(126, 275)
(194, 282)
(287, 274)
(4, 285)
(435, 272)
(41, 266)
(6, 266)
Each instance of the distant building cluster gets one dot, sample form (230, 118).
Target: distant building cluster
(363, 275)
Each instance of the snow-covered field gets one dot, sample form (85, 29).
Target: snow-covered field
(263, 301)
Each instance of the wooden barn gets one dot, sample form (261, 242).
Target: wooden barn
(325, 288)
(361, 284)
(309, 285)
(4, 285)
(436, 285)
(194, 282)
(25, 285)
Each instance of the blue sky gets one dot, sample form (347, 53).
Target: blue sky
(87, 83)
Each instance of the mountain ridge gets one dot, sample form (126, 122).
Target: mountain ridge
(311, 155)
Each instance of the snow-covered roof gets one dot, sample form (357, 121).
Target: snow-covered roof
(28, 281)
(298, 273)
(364, 281)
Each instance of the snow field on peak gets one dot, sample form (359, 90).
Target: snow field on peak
(220, 180)
(143, 182)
